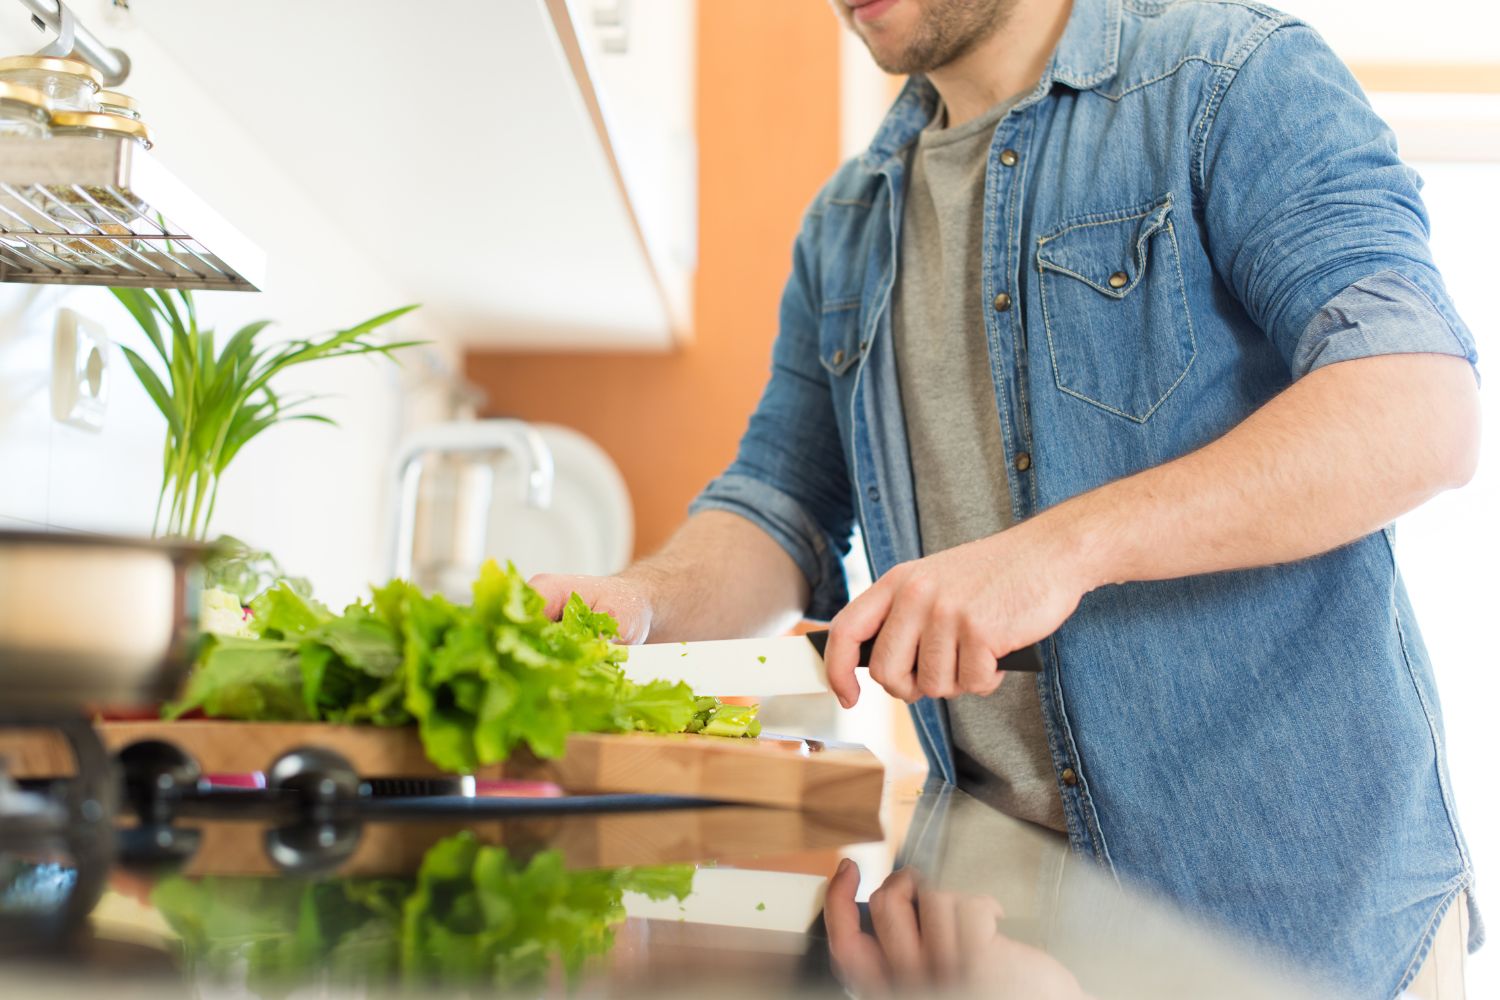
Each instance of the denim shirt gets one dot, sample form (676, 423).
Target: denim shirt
(1193, 208)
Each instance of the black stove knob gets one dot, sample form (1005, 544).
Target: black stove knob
(312, 847)
(158, 775)
(319, 779)
(327, 789)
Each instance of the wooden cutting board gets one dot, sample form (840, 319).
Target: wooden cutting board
(789, 773)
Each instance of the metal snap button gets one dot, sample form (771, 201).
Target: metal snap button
(838, 357)
(1023, 461)
(1009, 157)
(1002, 302)
(1069, 778)
(1119, 279)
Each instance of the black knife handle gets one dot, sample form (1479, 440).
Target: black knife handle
(1027, 659)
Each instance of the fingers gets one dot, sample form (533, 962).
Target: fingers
(860, 619)
(977, 673)
(978, 923)
(937, 657)
(556, 589)
(620, 598)
(937, 916)
(937, 624)
(840, 911)
(893, 912)
(855, 953)
(893, 664)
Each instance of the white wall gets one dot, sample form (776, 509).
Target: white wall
(1449, 549)
(866, 93)
(312, 494)
(1440, 31)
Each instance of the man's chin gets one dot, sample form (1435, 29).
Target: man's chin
(890, 47)
(894, 62)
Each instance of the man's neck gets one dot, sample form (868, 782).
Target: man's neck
(1007, 62)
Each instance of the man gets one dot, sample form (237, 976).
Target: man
(1122, 343)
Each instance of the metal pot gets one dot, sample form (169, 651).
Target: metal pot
(91, 620)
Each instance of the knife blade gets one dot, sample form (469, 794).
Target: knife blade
(789, 664)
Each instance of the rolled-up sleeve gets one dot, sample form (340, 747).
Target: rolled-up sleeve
(789, 477)
(1382, 314)
(1313, 221)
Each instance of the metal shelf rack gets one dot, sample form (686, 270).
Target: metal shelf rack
(76, 210)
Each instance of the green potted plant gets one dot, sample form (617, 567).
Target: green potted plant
(217, 400)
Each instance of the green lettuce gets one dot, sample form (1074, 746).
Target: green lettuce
(477, 680)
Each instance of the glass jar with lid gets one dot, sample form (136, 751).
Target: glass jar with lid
(24, 112)
(97, 212)
(112, 102)
(97, 125)
(70, 84)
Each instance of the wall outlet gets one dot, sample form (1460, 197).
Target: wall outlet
(80, 371)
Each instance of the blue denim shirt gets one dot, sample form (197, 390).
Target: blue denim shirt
(1193, 208)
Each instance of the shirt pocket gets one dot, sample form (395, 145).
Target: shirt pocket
(839, 345)
(1115, 309)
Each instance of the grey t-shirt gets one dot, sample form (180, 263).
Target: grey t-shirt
(953, 427)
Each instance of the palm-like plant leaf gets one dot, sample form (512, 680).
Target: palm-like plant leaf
(139, 305)
(154, 389)
(217, 400)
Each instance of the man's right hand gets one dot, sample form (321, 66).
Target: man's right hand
(628, 600)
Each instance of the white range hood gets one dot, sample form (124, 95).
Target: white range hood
(464, 143)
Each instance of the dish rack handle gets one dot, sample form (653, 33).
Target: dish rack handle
(73, 39)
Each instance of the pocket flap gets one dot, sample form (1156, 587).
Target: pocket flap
(1107, 253)
(839, 346)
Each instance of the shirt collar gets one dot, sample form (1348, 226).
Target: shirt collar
(1086, 56)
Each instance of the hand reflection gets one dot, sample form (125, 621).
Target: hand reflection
(926, 939)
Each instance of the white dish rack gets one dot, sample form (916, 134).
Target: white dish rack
(76, 210)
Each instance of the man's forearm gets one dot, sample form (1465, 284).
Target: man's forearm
(720, 576)
(1339, 454)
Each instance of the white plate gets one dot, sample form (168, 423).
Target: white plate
(590, 526)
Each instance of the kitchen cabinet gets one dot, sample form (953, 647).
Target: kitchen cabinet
(507, 160)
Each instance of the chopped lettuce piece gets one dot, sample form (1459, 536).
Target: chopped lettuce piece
(733, 720)
(221, 613)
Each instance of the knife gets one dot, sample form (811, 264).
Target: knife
(789, 664)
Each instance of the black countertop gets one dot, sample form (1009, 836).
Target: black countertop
(469, 899)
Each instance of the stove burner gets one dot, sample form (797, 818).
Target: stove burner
(80, 805)
(56, 841)
(27, 815)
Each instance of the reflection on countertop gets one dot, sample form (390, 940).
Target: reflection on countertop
(949, 897)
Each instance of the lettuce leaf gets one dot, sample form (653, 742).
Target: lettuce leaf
(477, 680)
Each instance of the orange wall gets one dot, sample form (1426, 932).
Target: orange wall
(768, 138)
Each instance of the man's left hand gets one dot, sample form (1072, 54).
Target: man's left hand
(943, 621)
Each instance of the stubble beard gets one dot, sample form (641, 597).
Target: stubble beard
(946, 30)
